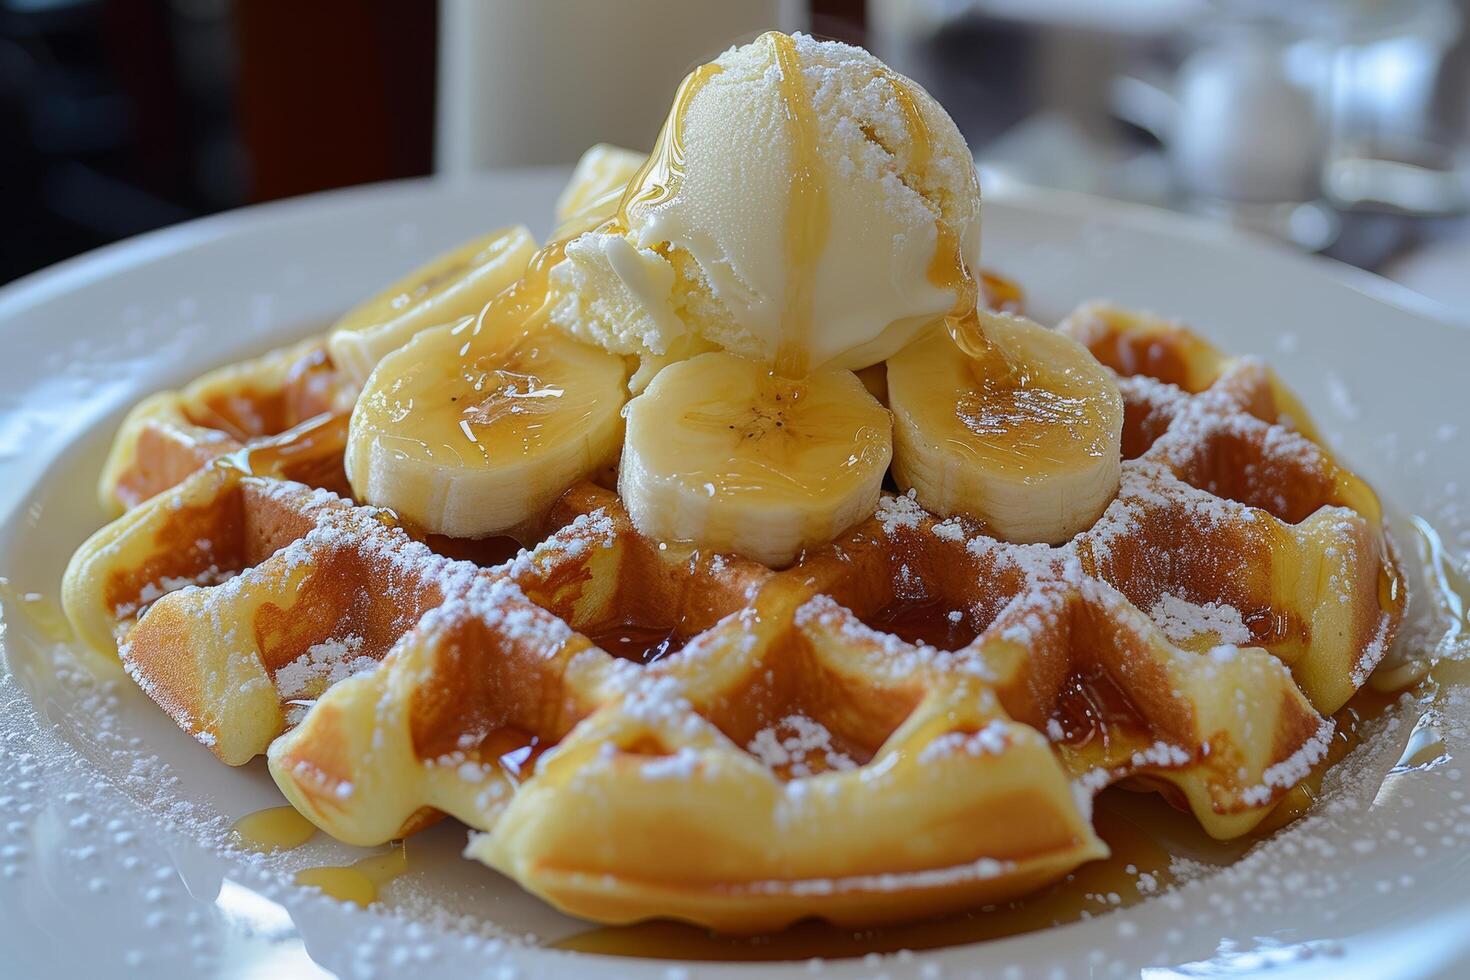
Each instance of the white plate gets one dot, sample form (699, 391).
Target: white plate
(110, 818)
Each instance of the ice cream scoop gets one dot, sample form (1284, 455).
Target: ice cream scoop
(806, 206)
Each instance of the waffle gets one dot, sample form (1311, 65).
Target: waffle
(913, 719)
(289, 406)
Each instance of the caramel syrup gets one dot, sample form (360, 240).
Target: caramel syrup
(637, 642)
(485, 552)
(320, 437)
(925, 621)
(808, 219)
(277, 828)
(360, 881)
(1091, 706)
(948, 268)
(1448, 589)
(515, 750)
(518, 309)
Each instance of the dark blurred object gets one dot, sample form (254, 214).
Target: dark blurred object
(121, 116)
(840, 20)
(335, 92)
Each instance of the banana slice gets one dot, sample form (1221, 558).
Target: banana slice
(471, 448)
(603, 172)
(724, 454)
(1033, 450)
(454, 285)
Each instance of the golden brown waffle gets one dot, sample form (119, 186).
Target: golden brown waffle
(292, 401)
(913, 719)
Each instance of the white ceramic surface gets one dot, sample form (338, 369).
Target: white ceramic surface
(110, 819)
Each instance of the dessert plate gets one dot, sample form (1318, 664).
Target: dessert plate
(116, 850)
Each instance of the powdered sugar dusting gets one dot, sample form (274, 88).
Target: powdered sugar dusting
(321, 666)
(992, 739)
(903, 511)
(1183, 621)
(1293, 769)
(798, 746)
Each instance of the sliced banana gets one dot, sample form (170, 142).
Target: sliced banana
(454, 285)
(603, 171)
(722, 453)
(474, 447)
(1031, 448)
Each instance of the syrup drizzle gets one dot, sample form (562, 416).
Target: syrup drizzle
(948, 268)
(658, 179)
(360, 881)
(515, 750)
(637, 642)
(520, 309)
(930, 622)
(282, 828)
(277, 828)
(808, 217)
(319, 437)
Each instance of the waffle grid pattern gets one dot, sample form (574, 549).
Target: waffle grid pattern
(918, 710)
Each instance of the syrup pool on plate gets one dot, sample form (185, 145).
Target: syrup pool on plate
(360, 881)
(277, 828)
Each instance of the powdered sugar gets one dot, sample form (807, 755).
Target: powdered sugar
(321, 666)
(992, 739)
(1161, 755)
(1183, 621)
(1293, 769)
(798, 746)
(151, 592)
(902, 511)
(984, 868)
(679, 765)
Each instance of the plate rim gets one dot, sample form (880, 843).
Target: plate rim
(23, 295)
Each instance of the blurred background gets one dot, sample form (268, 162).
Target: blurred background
(1339, 126)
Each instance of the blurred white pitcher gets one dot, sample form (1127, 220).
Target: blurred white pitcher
(538, 81)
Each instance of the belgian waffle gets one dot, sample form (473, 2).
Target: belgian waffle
(289, 407)
(917, 715)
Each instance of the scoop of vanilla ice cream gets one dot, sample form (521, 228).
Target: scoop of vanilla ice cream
(713, 257)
